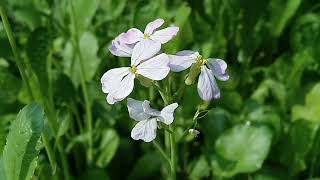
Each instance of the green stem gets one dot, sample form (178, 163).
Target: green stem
(159, 148)
(14, 48)
(83, 83)
(173, 155)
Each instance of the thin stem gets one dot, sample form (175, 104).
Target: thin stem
(83, 83)
(173, 154)
(159, 148)
(14, 48)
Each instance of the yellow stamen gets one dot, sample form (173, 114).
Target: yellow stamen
(146, 36)
(133, 69)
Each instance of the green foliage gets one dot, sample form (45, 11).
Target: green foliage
(21, 151)
(244, 148)
(264, 126)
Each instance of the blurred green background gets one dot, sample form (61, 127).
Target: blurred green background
(264, 127)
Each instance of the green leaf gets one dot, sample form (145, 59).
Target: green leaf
(10, 87)
(199, 168)
(297, 144)
(88, 48)
(64, 122)
(108, 147)
(84, 12)
(245, 146)
(281, 13)
(311, 110)
(21, 151)
(113, 9)
(147, 166)
(38, 48)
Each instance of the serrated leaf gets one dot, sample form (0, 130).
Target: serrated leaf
(245, 146)
(21, 152)
(108, 147)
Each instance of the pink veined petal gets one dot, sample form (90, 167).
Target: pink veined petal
(112, 78)
(133, 35)
(136, 110)
(167, 113)
(112, 100)
(165, 35)
(207, 85)
(151, 26)
(219, 68)
(182, 61)
(145, 130)
(119, 48)
(155, 68)
(143, 50)
(124, 88)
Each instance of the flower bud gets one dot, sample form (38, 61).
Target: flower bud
(193, 73)
(194, 132)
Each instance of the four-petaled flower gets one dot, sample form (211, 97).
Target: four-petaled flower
(118, 83)
(123, 44)
(209, 69)
(148, 118)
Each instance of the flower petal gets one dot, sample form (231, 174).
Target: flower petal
(219, 68)
(111, 99)
(167, 113)
(133, 35)
(155, 68)
(145, 130)
(207, 85)
(143, 50)
(182, 61)
(125, 87)
(165, 35)
(147, 109)
(151, 26)
(111, 79)
(119, 48)
(136, 110)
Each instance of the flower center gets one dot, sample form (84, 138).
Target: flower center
(146, 36)
(133, 69)
(201, 61)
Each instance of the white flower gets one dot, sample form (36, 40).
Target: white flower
(209, 69)
(147, 118)
(123, 44)
(118, 83)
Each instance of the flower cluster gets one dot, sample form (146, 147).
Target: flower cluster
(147, 63)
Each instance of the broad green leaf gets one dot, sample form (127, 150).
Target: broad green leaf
(108, 147)
(84, 13)
(244, 145)
(88, 48)
(38, 48)
(21, 151)
(297, 144)
(311, 110)
(3, 175)
(94, 174)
